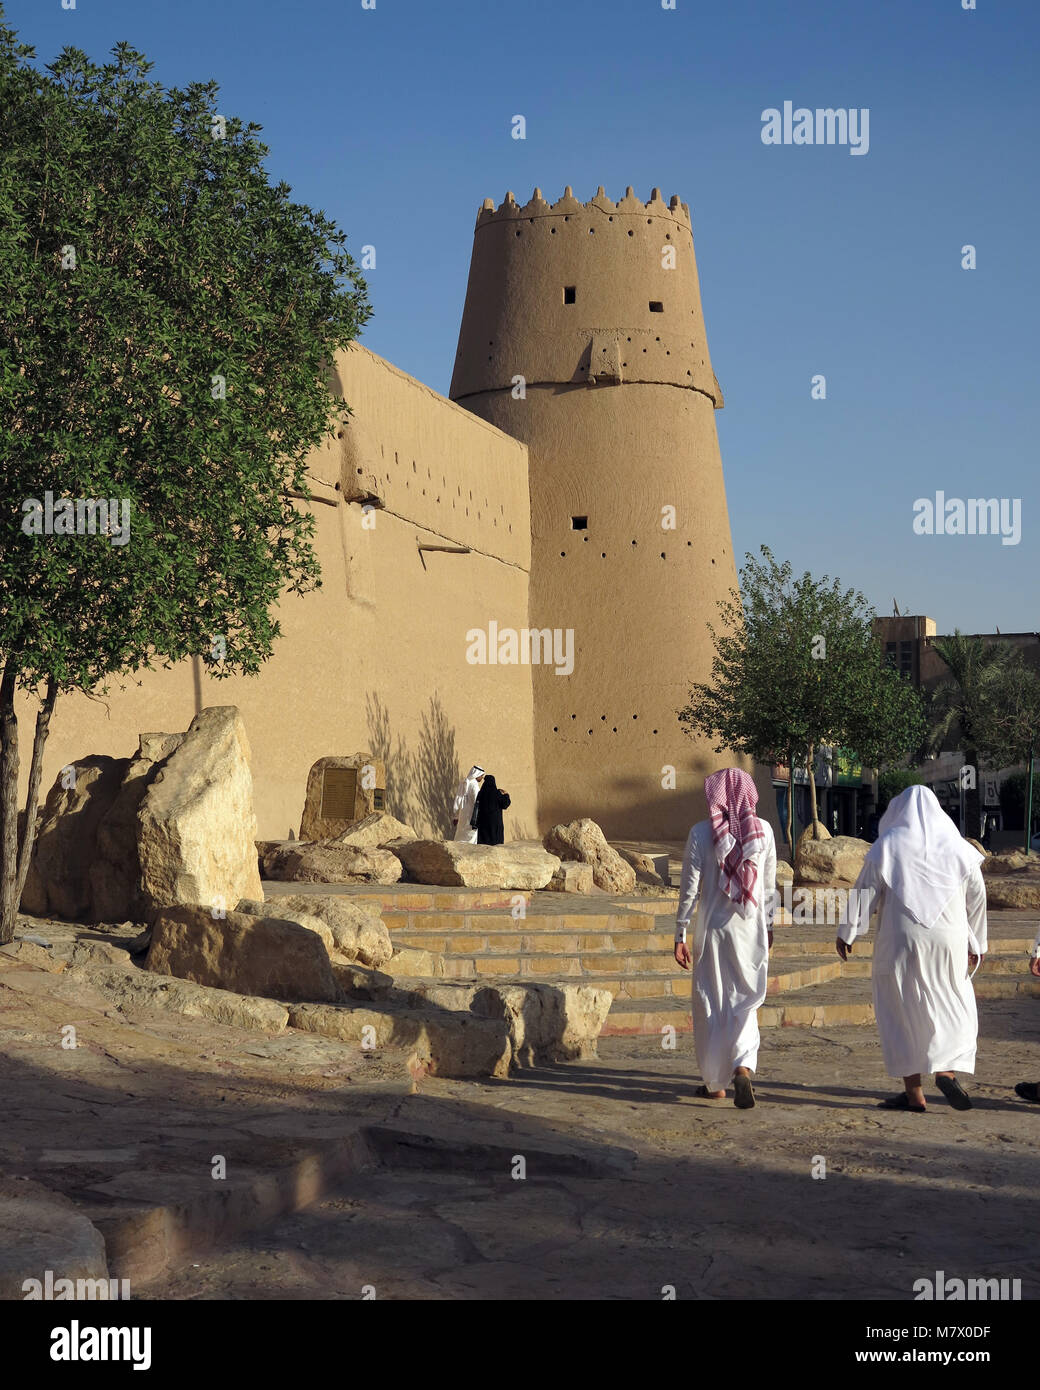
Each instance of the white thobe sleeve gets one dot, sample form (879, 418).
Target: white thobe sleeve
(1036, 947)
(863, 900)
(460, 799)
(689, 884)
(768, 880)
(975, 906)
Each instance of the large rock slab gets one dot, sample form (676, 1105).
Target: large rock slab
(646, 867)
(838, 859)
(327, 861)
(273, 958)
(1010, 862)
(357, 932)
(375, 831)
(340, 792)
(115, 874)
(546, 1022)
(130, 988)
(572, 877)
(42, 1230)
(1020, 892)
(196, 825)
(453, 864)
(440, 1043)
(585, 842)
(58, 883)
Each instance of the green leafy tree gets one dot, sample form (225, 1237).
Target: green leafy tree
(796, 665)
(959, 707)
(1007, 727)
(893, 780)
(169, 317)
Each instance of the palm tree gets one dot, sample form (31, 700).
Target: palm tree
(958, 701)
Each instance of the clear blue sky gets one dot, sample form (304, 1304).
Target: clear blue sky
(397, 123)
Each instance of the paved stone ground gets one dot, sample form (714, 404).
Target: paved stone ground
(668, 1190)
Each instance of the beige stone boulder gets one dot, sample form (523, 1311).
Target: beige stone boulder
(129, 989)
(58, 882)
(441, 1043)
(42, 1230)
(453, 864)
(327, 861)
(115, 873)
(811, 833)
(646, 867)
(1018, 892)
(546, 1022)
(340, 792)
(375, 831)
(838, 859)
(196, 825)
(784, 873)
(572, 877)
(585, 842)
(1011, 862)
(253, 907)
(977, 844)
(249, 955)
(357, 932)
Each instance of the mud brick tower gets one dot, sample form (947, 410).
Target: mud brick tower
(583, 336)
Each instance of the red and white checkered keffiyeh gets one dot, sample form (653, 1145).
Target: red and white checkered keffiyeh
(737, 832)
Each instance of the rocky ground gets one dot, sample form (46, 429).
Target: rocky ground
(629, 1184)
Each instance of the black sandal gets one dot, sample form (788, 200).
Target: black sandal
(743, 1092)
(702, 1093)
(1029, 1090)
(954, 1092)
(901, 1102)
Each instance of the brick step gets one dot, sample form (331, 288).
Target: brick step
(836, 1002)
(500, 941)
(543, 920)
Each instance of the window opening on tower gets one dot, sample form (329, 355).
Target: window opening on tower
(569, 294)
(579, 523)
(656, 307)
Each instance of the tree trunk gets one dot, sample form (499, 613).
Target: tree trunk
(790, 801)
(810, 765)
(8, 805)
(43, 722)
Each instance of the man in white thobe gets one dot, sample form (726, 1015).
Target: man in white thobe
(729, 867)
(462, 807)
(924, 882)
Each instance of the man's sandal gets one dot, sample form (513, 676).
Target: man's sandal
(901, 1102)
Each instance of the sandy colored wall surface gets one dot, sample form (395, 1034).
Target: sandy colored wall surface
(376, 659)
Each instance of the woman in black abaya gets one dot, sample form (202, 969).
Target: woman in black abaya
(487, 813)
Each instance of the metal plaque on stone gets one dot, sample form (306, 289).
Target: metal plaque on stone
(338, 793)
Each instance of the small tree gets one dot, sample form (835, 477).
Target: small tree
(1007, 725)
(796, 665)
(959, 704)
(168, 321)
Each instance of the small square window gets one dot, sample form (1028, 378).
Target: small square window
(569, 294)
(579, 523)
(656, 307)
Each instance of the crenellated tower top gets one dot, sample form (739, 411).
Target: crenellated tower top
(598, 294)
(569, 206)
